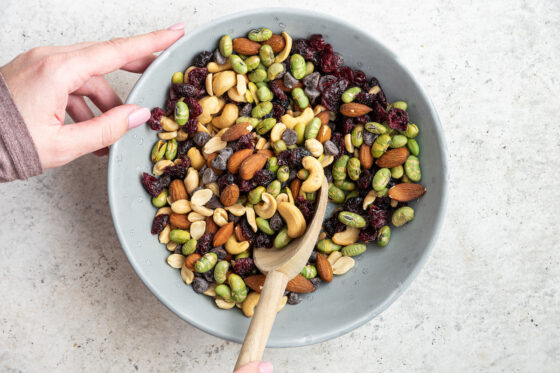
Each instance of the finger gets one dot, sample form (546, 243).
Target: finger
(139, 65)
(100, 92)
(79, 111)
(104, 130)
(105, 57)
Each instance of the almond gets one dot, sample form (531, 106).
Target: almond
(366, 159)
(234, 162)
(354, 109)
(211, 226)
(223, 234)
(300, 284)
(276, 42)
(266, 152)
(406, 192)
(324, 117)
(177, 190)
(179, 221)
(295, 186)
(392, 158)
(239, 234)
(251, 165)
(324, 268)
(283, 87)
(324, 134)
(230, 195)
(245, 46)
(255, 282)
(191, 259)
(236, 131)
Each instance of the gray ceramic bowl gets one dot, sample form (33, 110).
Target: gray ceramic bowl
(380, 275)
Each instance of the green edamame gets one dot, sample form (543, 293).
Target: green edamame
(283, 174)
(226, 46)
(312, 128)
(257, 75)
(181, 113)
(345, 185)
(244, 254)
(309, 68)
(398, 141)
(237, 64)
(189, 247)
(354, 249)
(327, 246)
(272, 164)
(206, 263)
(220, 271)
(158, 151)
(179, 235)
(411, 130)
(264, 94)
(171, 150)
(297, 64)
(352, 194)
(265, 125)
(303, 174)
(238, 288)
(282, 238)
(357, 136)
(279, 146)
(177, 78)
(300, 97)
(351, 219)
(350, 94)
(397, 172)
(262, 109)
(380, 145)
(266, 54)
(339, 167)
(274, 188)
(413, 147)
(383, 236)
(260, 34)
(376, 128)
(252, 121)
(353, 168)
(300, 130)
(309, 271)
(252, 62)
(161, 199)
(310, 196)
(274, 70)
(264, 226)
(400, 105)
(335, 194)
(402, 215)
(223, 291)
(254, 196)
(382, 193)
(412, 168)
(381, 179)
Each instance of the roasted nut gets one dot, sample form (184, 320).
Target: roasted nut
(267, 207)
(227, 118)
(294, 219)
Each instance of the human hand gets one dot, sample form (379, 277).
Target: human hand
(47, 81)
(256, 367)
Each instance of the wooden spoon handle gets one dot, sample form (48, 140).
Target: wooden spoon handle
(263, 319)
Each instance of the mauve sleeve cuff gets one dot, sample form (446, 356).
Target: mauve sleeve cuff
(18, 157)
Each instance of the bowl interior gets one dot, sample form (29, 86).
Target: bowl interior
(380, 275)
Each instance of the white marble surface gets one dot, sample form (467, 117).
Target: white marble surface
(488, 298)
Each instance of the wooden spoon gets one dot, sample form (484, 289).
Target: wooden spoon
(279, 266)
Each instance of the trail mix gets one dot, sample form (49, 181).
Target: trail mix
(246, 137)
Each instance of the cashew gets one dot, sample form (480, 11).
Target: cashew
(223, 81)
(313, 145)
(195, 216)
(346, 237)
(215, 144)
(167, 135)
(282, 197)
(164, 235)
(250, 214)
(224, 304)
(208, 84)
(197, 161)
(249, 304)
(234, 247)
(168, 124)
(267, 207)
(319, 108)
(160, 166)
(242, 84)
(287, 49)
(277, 131)
(316, 174)
(164, 210)
(234, 95)
(290, 196)
(304, 117)
(348, 143)
(213, 67)
(210, 105)
(191, 181)
(227, 118)
(220, 217)
(237, 209)
(181, 206)
(293, 218)
(369, 199)
(197, 229)
(202, 210)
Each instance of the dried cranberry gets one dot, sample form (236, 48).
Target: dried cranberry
(155, 117)
(381, 98)
(179, 170)
(299, 45)
(354, 205)
(263, 177)
(262, 240)
(278, 111)
(204, 243)
(184, 146)
(159, 222)
(362, 119)
(317, 42)
(332, 94)
(326, 81)
(184, 89)
(202, 59)
(306, 208)
(172, 94)
(397, 119)
(245, 142)
(364, 182)
(359, 78)
(191, 126)
(364, 98)
(244, 266)
(345, 72)
(328, 48)
(383, 203)
(347, 125)
(332, 225)
(330, 61)
(378, 114)
(170, 105)
(164, 180)
(246, 230)
(197, 77)
(368, 234)
(338, 140)
(225, 180)
(194, 107)
(378, 218)
(245, 185)
(278, 92)
(151, 184)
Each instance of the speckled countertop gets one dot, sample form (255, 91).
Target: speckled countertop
(488, 298)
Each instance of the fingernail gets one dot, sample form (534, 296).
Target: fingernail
(178, 26)
(137, 117)
(265, 367)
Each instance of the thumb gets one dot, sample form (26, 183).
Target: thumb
(105, 129)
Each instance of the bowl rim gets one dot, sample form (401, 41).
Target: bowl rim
(437, 223)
